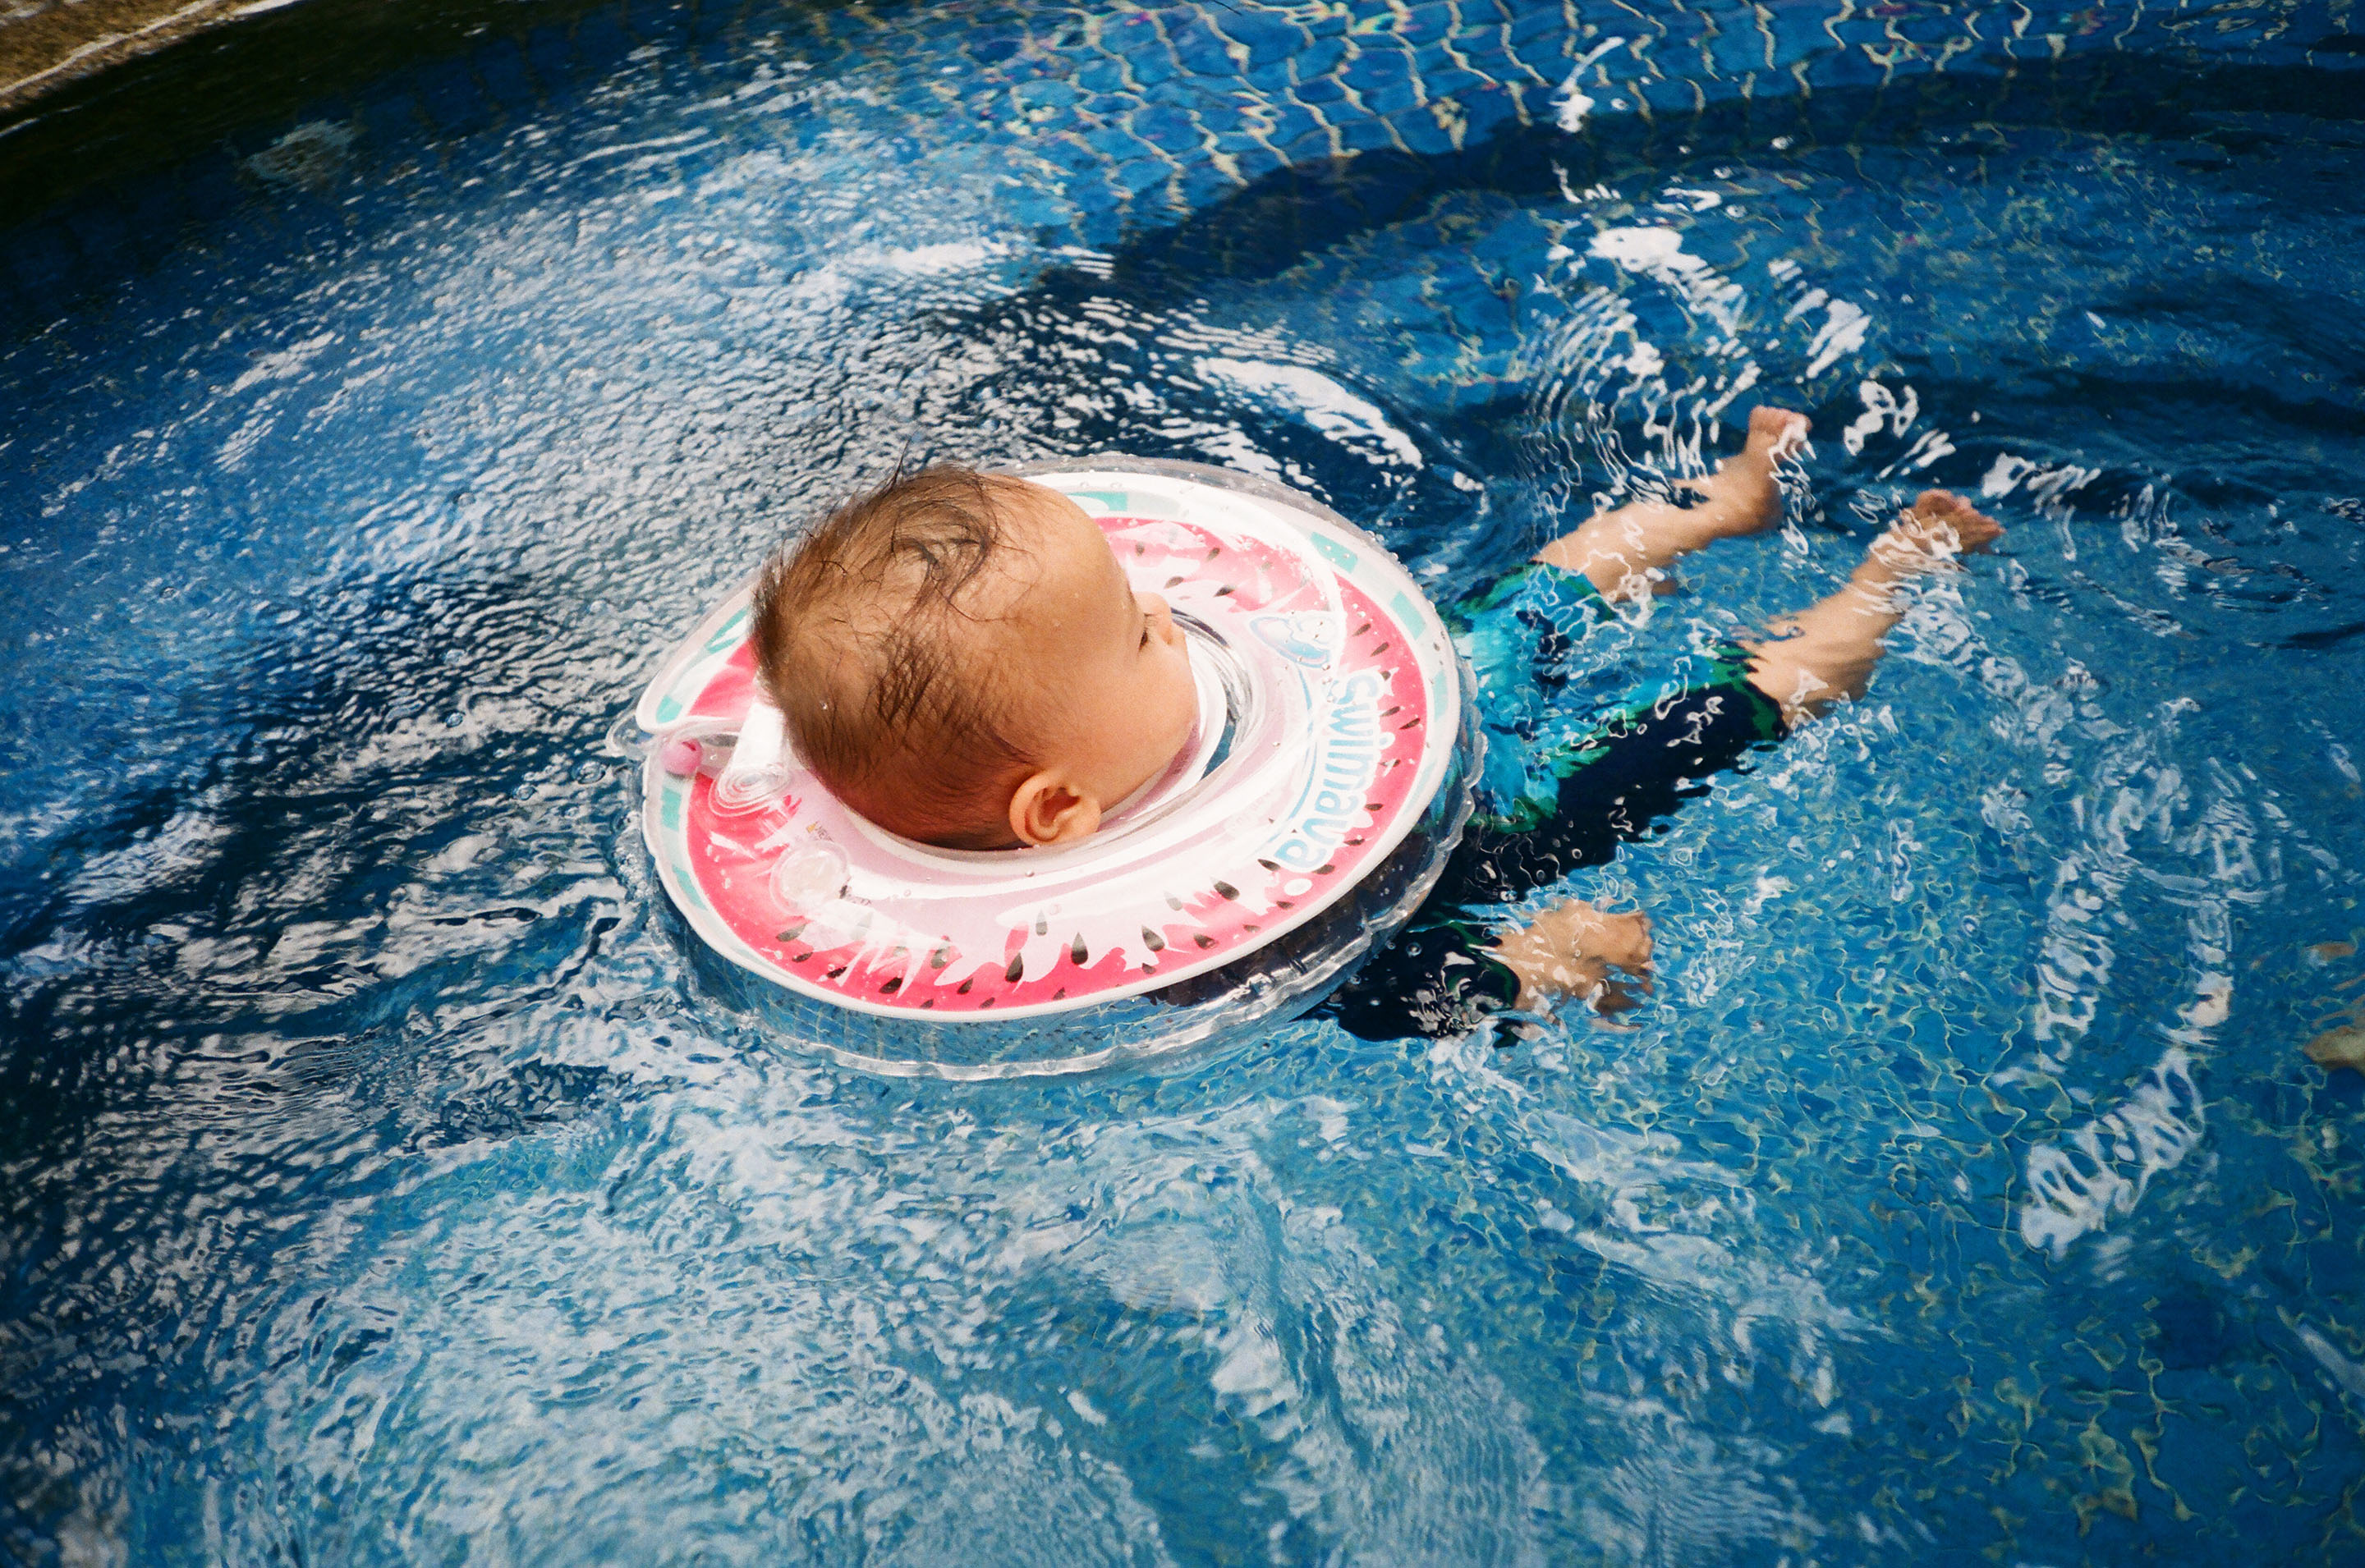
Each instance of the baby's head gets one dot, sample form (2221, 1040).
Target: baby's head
(962, 660)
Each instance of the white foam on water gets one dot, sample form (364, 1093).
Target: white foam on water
(1658, 253)
(1573, 106)
(1842, 332)
(1322, 403)
(2103, 1167)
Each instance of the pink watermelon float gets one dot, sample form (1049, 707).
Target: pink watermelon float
(1328, 778)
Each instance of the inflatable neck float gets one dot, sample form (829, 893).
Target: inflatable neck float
(1327, 778)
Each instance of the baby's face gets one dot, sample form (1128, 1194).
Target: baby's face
(1097, 671)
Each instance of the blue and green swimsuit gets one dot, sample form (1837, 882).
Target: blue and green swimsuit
(1566, 780)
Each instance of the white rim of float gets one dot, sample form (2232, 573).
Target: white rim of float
(1344, 586)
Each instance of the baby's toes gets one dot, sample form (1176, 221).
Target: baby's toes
(1776, 431)
(1972, 528)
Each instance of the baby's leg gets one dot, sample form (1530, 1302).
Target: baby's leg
(1826, 652)
(1616, 550)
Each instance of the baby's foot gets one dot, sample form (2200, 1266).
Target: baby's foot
(1938, 526)
(1742, 495)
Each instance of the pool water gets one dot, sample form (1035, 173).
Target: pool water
(380, 1181)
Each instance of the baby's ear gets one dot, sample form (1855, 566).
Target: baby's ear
(1046, 809)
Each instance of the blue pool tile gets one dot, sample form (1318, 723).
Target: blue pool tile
(1142, 174)
(1047, 93)
(1376, 67)
(1254, 161)
(1199, 51)
(1293, 124)
(1322, 90)
(1169, 128)
(1151, 63)
(1270, 40)
(1101, 73)
(1364, 134)
(1422, 132)
(1114, 143)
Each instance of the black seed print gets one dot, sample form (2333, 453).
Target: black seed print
(791, 934)
(962, 989)
(1076, 954)
(1324, 870)
(1016, 970)
(1171, 581)
(1203, 939)
(1152, 940)
(1409, 724)
(1383, 648)
(838, 971)
(1269, 865)
(1042, 925)
(941, 956)
(891, 987)
(1226, 891)
(1226, 591)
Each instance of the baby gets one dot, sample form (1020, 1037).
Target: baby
(960, 658)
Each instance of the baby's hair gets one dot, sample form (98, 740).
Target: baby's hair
(863, 639)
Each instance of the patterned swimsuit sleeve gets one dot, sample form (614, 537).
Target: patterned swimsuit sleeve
(1562, 789)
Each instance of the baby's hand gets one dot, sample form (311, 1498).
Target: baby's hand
(1571, 950)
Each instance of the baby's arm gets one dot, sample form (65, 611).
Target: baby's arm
(1571, 949)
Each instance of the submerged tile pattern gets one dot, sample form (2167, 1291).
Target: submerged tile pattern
(1141, 115)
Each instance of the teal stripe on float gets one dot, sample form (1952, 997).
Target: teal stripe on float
(728, 635)
(1408, 613)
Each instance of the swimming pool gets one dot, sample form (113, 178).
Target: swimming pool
(382, 1183)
